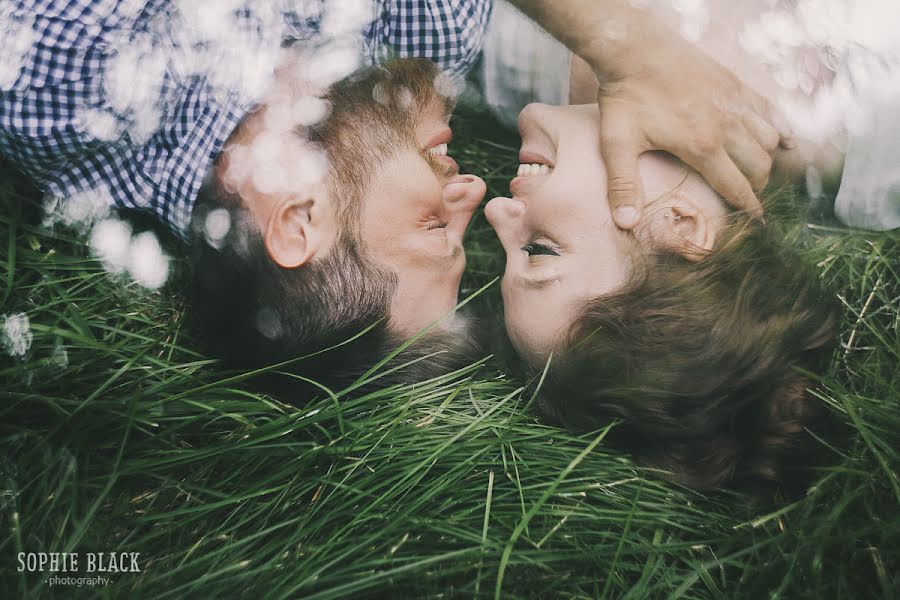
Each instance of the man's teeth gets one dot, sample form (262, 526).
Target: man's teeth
(533, 169)
(439, 150)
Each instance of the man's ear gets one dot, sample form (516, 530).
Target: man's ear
(686, 229)
(295, 232)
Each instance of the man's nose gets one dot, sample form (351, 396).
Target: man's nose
(464, 192)
(462, 195)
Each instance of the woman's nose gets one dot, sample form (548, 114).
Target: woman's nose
(503, 211)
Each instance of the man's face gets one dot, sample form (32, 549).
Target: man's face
(414, 215)
(388, 168)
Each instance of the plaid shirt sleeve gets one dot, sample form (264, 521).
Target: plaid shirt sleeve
(95, 96)
(449, 32)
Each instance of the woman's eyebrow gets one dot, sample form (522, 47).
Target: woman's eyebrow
(536, 283)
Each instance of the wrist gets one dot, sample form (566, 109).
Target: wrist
(630, 46)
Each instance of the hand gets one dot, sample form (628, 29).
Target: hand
(674, 97)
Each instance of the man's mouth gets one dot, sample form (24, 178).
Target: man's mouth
(439, 154)
(436, 147)
(439, 150)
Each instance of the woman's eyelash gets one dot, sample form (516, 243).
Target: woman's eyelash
(535, 249)
(436, 225)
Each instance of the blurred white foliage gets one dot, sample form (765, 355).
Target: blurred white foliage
(216, 226)
(111, 244)
(147, 263)
(100, 123)
(291, 111)
(283, 163)
(17, 336)
(309, 110)
(271, 172)
(82, 209)
(380, 94)
(332, 62)
(210, 20)
(304, 9)
(405, 98)
(144, 124)
(16, 39)
(134, 76)
(234, 44)
(445, 84)
(855, 39)
(131, 8)
(348, 17)
(133, 83)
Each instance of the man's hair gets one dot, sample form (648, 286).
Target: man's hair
(253, 312)
(698, 360)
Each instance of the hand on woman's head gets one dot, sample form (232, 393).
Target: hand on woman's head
(704, 115)
(671, 95)
(662, 92)
(562, 245)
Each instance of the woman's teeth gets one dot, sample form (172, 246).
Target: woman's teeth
(439, 150)
(533, 169)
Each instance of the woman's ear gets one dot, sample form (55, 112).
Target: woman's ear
(297, 231)
(684, 227)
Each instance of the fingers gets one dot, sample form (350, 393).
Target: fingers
(770, 117)
(750, 156)
(762, 131)
(620, 147)
(721, 172)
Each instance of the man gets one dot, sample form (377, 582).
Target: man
(286, 267)
(131, 102)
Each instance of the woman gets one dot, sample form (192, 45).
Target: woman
(689, 329)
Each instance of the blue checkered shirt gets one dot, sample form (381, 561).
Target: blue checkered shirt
(112, 97)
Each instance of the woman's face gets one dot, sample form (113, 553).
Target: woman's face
(562, 246)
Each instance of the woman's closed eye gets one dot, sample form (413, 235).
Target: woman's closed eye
(437, 225)
(536, 249)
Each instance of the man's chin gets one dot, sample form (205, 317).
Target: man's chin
(448, 321)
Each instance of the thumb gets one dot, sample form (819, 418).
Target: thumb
(626, 194)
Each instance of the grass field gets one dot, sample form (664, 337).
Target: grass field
(117, 434)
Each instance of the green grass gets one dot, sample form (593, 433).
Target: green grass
(443, 488)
